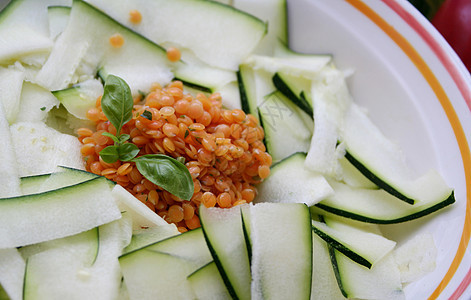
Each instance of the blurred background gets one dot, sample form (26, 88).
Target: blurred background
(427, 7)
(452, 18)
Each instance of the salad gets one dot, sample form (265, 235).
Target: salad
(181, 150)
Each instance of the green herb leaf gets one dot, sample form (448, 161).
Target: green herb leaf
(114, 138)
(127, 152)
(110, 154)
(147, 114)
(123, 138)
(117, 102)
(43, 108)
(143, 94)
(168, 173)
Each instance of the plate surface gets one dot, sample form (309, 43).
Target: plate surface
(419, 93)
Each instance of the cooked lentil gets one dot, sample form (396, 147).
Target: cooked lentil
(116, 40)
(135, 16)
(223, 150)
(173, 55)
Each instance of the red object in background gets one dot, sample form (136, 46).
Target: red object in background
(453, 21)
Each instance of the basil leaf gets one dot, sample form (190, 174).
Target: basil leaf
(127, 151)
(166, 172)
(123, 138)
(110, 154)
(114, 138)
(147, 114)
(117, 102)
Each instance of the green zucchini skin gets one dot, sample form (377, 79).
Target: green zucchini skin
(335, 268)
(243, 93)
(341, 248)
(225, 278)
(371, 219)
(376, 180)
(300, 101)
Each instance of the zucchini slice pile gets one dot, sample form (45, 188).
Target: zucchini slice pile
(312, 231)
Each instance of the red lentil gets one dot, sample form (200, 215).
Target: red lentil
(116, 40)
(223, 150)
(173, 54)
(135, 16)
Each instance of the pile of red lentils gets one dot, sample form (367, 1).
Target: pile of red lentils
(223, 150)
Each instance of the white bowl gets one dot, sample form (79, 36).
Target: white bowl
(419, 93)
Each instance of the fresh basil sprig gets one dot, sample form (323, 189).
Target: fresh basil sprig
(166, 172)
(117, 104)
(162, 170)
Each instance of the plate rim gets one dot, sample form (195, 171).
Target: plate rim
(460, 77)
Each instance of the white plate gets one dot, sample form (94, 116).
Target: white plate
(419, 93)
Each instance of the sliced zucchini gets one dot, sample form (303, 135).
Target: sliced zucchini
(416, 257)
(363, 247)
(58, 17)
(203, 77)
(63, 260)
(10, 180)
(86, 265)
(207, 283)
(295, 88)
(281, 251)
(85, 244)
(24, 31)
(287, 128)
(381, 162)
(351, 176)
(31, 184)
(84, 47)
(61, 120)
(147, 236)
(198, 254)
(39, 149)
(230, 95)
(382, 281)
(254, 85)
(3, 294)
(35, 183)
(224, 234)
(23, 43)
(324, 282)
(290, 182)
(331, 99)
(295, 66)
(282, 49)
(35, 103)
(154, 275)
(11, 83)
(140, 213)
(246, 225)
(12, 271)
(29, 12)
(376, 206)
(57, 213)
(79, 98)
(274, 13)
(298, 88)
(63, 177)
(217, 34)
(160, 270)
(207, 79)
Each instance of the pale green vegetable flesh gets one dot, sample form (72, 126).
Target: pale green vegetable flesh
(99, 241)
